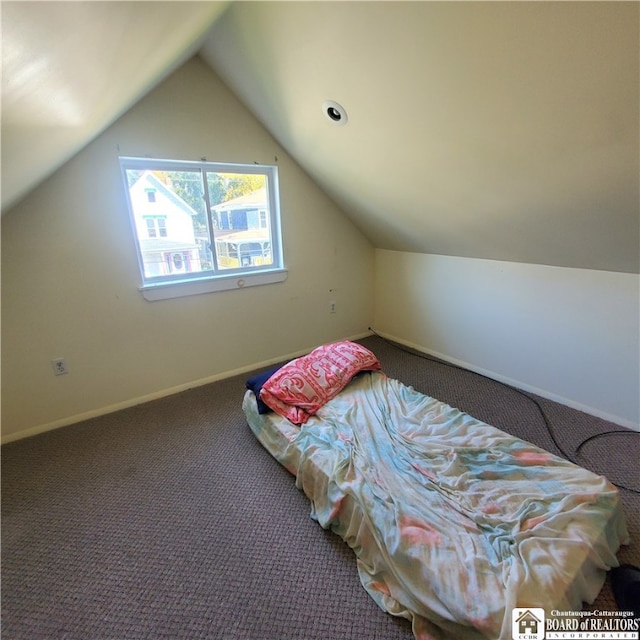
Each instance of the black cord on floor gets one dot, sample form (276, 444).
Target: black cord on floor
(572, 458)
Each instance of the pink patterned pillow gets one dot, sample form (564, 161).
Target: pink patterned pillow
(298, 389)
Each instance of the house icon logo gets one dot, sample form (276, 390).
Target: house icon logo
(527, 624)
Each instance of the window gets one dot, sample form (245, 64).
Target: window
(156, 227)
(203, 226)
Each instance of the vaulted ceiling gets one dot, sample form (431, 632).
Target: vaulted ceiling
(507, 131)
(70, 69)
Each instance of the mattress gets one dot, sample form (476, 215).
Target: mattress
(453, 522)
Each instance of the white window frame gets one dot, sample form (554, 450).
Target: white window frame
(194, 283)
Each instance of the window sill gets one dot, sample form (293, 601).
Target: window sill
(164, 291)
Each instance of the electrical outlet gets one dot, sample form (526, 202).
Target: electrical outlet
(59, 366)
(332, 306)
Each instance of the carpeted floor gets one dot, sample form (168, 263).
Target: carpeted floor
(169, 520)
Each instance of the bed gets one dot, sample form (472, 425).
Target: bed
(453, 522)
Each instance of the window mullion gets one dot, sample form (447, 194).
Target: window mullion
(207, 204)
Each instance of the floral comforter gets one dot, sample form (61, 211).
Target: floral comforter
(454, 522)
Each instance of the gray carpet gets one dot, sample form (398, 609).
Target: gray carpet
(169, 520)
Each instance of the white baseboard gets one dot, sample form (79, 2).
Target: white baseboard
(132, 402)
(543, 393)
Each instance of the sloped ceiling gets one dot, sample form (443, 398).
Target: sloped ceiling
(493, 130)
(507, 131)
(69, 69)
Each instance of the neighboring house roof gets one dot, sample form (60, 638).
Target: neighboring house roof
(158, 185)
(250, 235)
(255, 199)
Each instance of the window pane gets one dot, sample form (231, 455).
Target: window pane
(172, 227)
(203, 226)
(239, 205)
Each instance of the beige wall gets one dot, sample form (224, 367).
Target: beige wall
(572, 335)
(70, 276)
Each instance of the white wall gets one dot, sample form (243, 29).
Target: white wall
(572, 335)
(70, 275)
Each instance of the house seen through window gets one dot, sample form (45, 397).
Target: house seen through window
(203, 221)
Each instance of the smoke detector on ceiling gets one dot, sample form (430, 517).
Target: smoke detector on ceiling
(334, 112)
